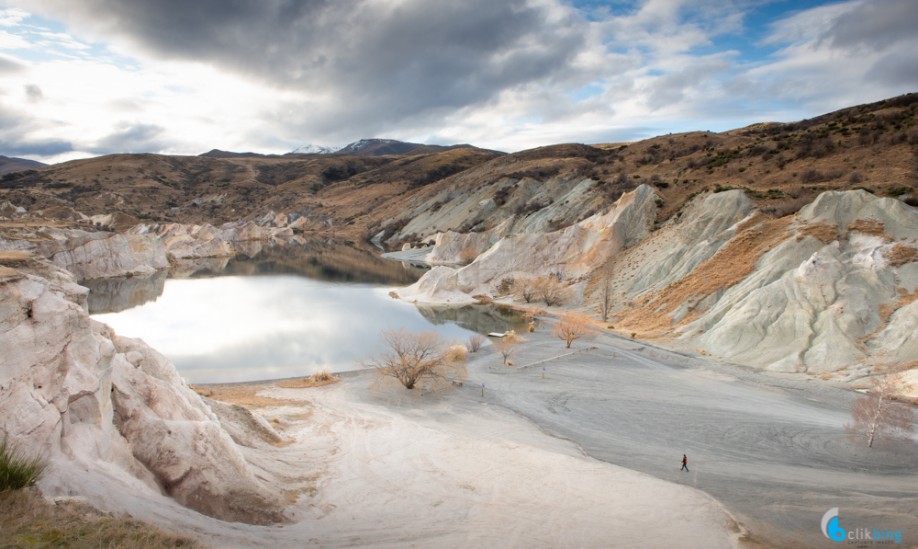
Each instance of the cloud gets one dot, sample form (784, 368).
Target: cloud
(352, 61)
(130, 138)
(33, 92)
(268, 75)
(874, 25)
(16, 137)
(8, 65)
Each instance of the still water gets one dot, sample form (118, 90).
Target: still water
(271, 322)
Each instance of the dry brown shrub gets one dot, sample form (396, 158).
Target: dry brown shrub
(571, 327)
(900, 254)
(456, 353)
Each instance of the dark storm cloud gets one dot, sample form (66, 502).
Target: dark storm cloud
(373, 62)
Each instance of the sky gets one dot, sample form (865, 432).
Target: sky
(95, 77)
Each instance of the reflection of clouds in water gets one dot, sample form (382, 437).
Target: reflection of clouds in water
(247, 328)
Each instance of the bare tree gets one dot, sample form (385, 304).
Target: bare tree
(605, 291)
(876, 416)
(571, 327)
(419, 360)
(506, 346)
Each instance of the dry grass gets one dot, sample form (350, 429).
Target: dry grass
(318, 379)
(868, 226)
(244, 395)
(27, 520)
(823, 232)
(900, 254)
(731, 264)
(14, 256)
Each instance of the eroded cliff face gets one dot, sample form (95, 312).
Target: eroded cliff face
(830, 291)
(571, 253)
(111, 409)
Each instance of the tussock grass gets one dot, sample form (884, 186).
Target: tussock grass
(17, 470)
(28, 520)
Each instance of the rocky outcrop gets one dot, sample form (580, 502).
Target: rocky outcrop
(98, 255)
(570, 253)
(86, 400)
(200, 241)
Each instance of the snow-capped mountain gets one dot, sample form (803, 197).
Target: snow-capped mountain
(314, 149)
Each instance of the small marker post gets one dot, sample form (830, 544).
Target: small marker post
(482, 390)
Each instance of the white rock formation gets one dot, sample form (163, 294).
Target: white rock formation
(100, 255)
(814, 307)
(88, 401)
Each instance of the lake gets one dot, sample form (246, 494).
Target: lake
(285, 312)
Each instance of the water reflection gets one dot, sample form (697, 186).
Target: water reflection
(232, 328)
(332, 261)
(111, 295)
(482, 319)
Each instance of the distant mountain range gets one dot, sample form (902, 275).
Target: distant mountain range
(376, 147)
(364, 147)
(11, 164)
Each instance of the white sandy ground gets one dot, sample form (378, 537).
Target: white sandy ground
(391, 469)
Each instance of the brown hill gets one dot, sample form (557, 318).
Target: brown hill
(781, 165)
(12, 165)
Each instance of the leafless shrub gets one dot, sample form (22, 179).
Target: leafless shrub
(419, 360)
(475, 342)
(550, 290)
(526, 289)
(505, 286)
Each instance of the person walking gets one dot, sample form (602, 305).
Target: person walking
(684, 463)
